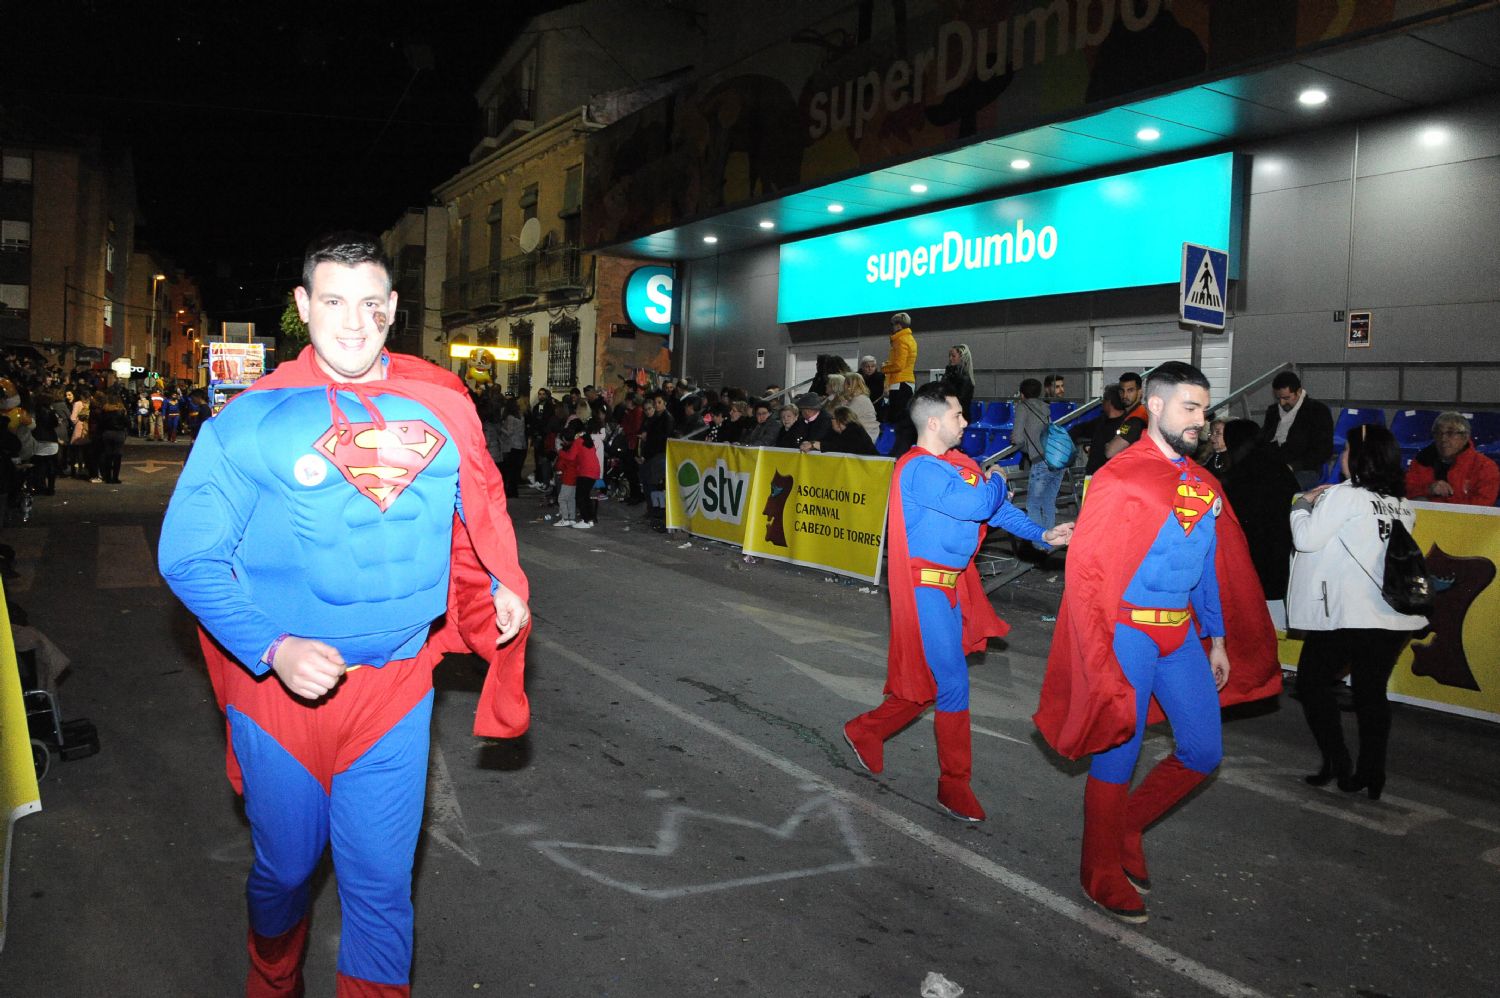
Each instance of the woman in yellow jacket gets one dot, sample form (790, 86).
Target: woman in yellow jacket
(900, 370)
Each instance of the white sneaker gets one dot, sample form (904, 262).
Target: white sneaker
(563, 523)
(584, 525)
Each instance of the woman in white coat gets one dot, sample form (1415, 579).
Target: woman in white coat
(1339, 537)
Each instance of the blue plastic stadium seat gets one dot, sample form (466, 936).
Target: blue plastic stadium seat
(997, 414)
(887, 439)
(1061, 409)
(1412, 429)
(1347, 420)
(1486, 432)
(975, 438)
(976, 411)
(997, 441)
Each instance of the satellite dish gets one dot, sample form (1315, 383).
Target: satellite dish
(531, 235)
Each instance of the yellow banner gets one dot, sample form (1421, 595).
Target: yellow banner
(19, 795)
(708, 488)
(1457, 667)
(820, 510)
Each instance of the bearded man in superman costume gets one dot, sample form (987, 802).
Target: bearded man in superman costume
(1159, 567)
(336, 530)
(941, 505)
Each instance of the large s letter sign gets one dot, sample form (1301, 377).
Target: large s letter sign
(648, 299)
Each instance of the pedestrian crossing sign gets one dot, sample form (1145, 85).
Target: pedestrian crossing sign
(1204, 286)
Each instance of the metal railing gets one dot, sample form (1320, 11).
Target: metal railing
(1242, 394)
(529, 275)
(800, 386)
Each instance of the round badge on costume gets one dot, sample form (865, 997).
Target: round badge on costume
(310, 470)
(1217, 506)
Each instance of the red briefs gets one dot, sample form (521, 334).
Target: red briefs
(327, 735)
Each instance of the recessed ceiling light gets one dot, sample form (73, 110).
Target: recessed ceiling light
(1432, 136)
(1312, 97)
(919, 188)
(1020, 164)
(1148, 134)
(710, 239)
(836, 208)
(766, 223)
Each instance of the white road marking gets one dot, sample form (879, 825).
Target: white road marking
(151, 467)
(1163, 956)
(867, 691)
(1400, 817)
(657, 858)
(444, 820)
(124, 560)
(800, 630)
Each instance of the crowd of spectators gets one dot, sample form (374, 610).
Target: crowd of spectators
(73, 423)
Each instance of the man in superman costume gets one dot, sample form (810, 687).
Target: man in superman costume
(1159, 567)
(336, 530)
(941, 505)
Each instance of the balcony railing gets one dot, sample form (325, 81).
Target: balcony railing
(518, 278)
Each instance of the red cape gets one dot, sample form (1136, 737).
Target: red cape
(1087, 705)
(907, 673)
(484, 543)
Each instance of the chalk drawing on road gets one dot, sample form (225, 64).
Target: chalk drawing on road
(867, 690)
(444, 818)
(693, 848)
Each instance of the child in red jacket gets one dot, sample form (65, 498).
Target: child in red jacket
(586, 468)
(567, 476)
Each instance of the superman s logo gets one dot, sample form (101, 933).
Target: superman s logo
(969, 477)
(381, 463)
(1194, 501)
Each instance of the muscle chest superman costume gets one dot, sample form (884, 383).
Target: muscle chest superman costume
(1158, 570)
(941, 506)
(368, 517)
(1086, 703)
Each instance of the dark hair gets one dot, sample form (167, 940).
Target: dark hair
(930, 400)
(845, 415)
(1113, 397)
(1053, 379)
(1286, 379)
(1130, 377)
(349, 249)
(1170, 375)
(763, 404)
(1241, 436)
(1030, 388)
(1375, 460)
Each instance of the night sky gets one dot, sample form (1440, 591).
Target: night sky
(253, 126)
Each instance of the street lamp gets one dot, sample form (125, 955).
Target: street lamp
(155, 344)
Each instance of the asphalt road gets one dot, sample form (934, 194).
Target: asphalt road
(684, 819)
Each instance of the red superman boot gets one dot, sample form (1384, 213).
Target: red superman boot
(276, 964)
(1104, 806)
(866, 734)
(354, 987)
(954, 763)
(1168, 782)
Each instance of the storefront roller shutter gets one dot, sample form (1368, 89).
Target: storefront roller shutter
(1139, 348)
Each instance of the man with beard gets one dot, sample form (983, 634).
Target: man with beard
(941, 505)
(1159, 566)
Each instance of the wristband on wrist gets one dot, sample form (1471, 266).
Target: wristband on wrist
(270, 656)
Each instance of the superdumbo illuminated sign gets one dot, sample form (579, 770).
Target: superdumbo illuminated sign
(1117, 232)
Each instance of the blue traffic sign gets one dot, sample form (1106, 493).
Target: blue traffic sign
(1204, 286)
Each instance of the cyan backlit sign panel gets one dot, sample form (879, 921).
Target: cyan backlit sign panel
(1117, 232)
(649, 300)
